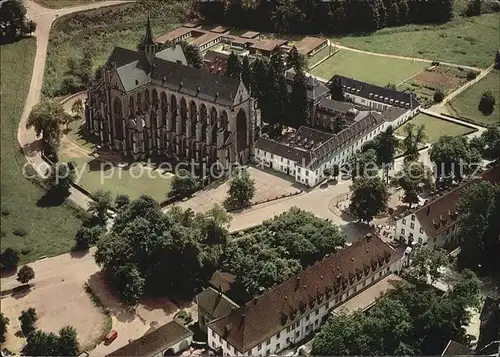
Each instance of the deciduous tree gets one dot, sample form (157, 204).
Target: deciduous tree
(241, 189)
(427, 263)
(12, 21)
(487, 103)
(28, 319)
(298, 106)
(415, 137)
(369, 197)
(184, 184)
(9, 259)
(413, 179)
(46, 118)
(234, 67)
(121, 201)
(25, 274)
(100, 205)
(4, 322)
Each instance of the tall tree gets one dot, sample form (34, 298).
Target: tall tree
(9, 259)
(298, 106)
(479, 209)
(453, 157)
(487, 103)
(241, 189)
(415, 137)
(404, 12)
(121, 201)
(100, 205)
(129, 282)
(369, 197)
(427, 265)
(234, 68)
(184, 184)
(296, 60)
(365, 164)
(393, 17)
(12, 21)
(46, 118)
(28, 319)
(413, 179)
(4, 322)
(491, 143)
(67, 344)
(246, 73)
(25, 274)
(193, 55)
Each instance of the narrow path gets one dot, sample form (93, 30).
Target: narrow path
(27, 138)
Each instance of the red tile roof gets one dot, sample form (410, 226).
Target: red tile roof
(205, 38)
(173, 35)
(268, 44)
(250, 34)
(285, 303)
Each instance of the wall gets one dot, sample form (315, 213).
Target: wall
(404, 229)
(309, 322)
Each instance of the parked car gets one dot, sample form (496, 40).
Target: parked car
(110, 337)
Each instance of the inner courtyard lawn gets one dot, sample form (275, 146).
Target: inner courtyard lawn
(368, 68)
(466, 103)
(49, 230)
(435, 127)
(471, 41)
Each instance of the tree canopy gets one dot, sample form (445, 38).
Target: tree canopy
(148, 250)
(184, 184)
(13, 21)
(427, 263)
(241, 189)
(411, 321)
(280, 248)
(25, 274)
(415, 137)
(369, 197)
(4, 322)
(413, 179)
(40, 343)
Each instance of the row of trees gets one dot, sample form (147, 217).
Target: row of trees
(266, 80)
(13, 21)
(416, 320)
(162, 253)
(280, 248)
(310, 16)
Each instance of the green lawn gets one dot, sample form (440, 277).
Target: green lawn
(100, 30)
(435, 128)
(114, 179)
(469, 41)
(466, 103)
(325, 52)
(368, 68)
(57, 4)
(50, 229)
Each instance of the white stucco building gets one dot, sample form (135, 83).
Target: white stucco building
(289, 312)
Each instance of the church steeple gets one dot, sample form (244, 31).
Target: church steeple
(148, 44)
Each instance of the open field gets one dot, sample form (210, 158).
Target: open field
(57, 4)
(100, 30)
(50, 229)
(470, 41)
(435, 128)
(368, 68)
(59, 301)
(466, 103)
(325, 52)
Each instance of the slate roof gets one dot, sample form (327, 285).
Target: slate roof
(215, 303)
(173, 54)
(392, 113)
(308, 135)
(369, 91)
(308, 44)
(282, 150)
(134, 71)
(335, 106)
(285, 303)
(456, 349)
(158, 340)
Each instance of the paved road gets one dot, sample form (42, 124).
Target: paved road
(27, 138)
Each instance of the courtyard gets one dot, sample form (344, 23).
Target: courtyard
(368, 68)
(268, 186)
(435, 127)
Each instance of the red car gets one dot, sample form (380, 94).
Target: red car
(110, 337)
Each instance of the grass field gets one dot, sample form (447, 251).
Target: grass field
(435, 128)
(369, 68)
(57, 4)
(466, 103)
(97, 175)
(325, 52)
(100, 30)
(469, 41)
(50, 230)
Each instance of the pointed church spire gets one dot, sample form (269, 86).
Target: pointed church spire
(148, 39)
(148, 44)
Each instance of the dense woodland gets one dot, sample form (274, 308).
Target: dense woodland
(315, 16)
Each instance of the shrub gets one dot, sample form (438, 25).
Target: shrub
(9, 258)
(487, 103)
(25, 274)
(26, 250)
(471, 75)
(438, 96)
(20, 232)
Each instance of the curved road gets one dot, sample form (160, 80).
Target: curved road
(27, 138)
